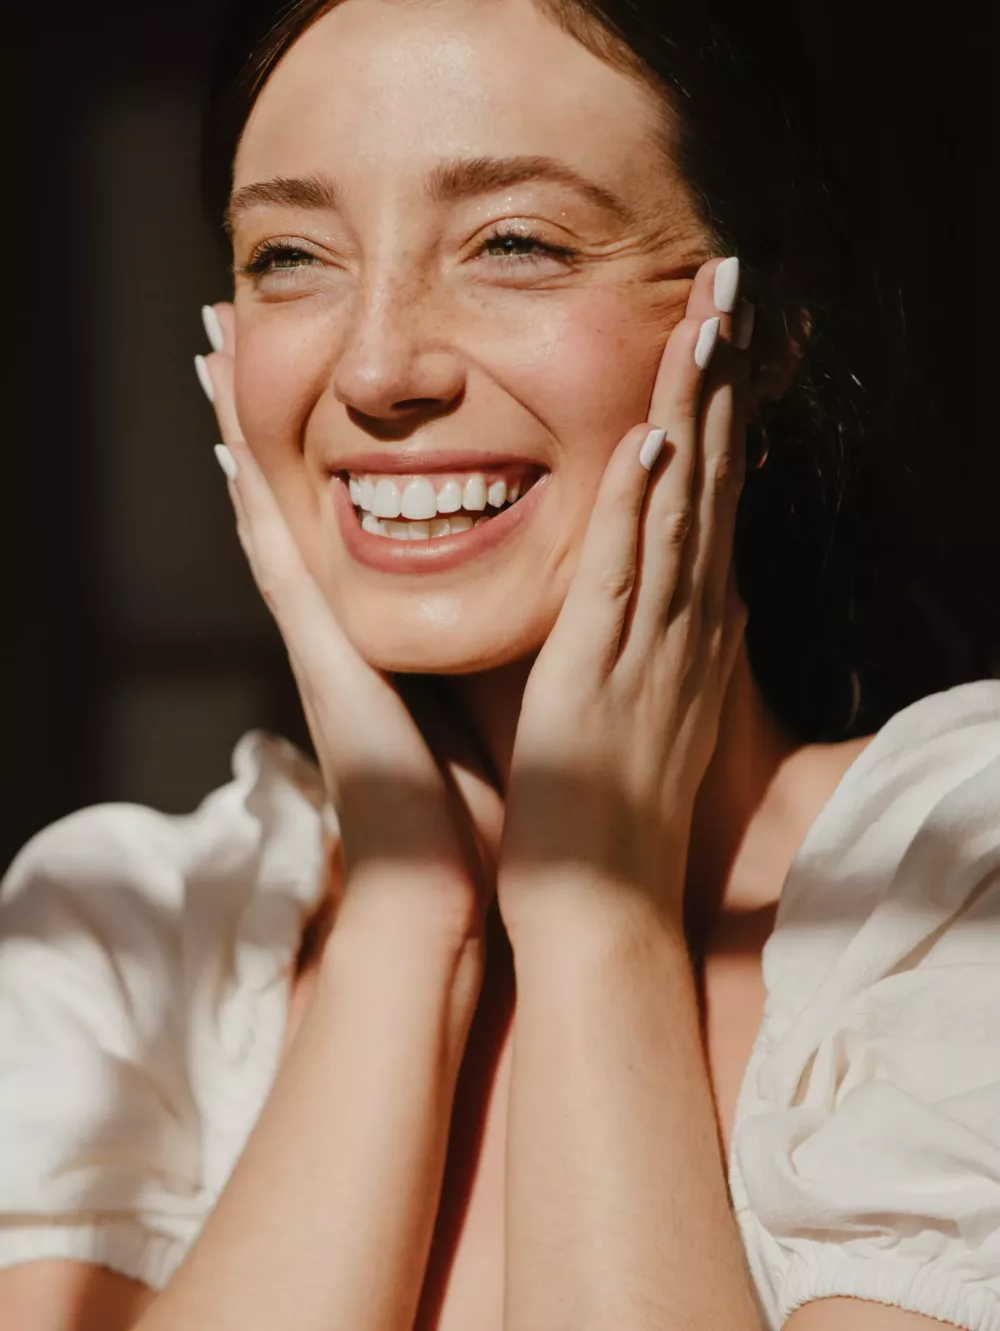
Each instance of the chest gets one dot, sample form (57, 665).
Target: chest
(464, 1282)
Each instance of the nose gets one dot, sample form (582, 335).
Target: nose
(395, 368)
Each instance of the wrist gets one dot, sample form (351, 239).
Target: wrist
(583, 915)
(401, 960)
(430, 910)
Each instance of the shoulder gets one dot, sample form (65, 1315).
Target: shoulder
(111, 865)
(864, 1156)
(143, 960)
(910, 840)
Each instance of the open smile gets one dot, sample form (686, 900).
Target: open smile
(432, 521)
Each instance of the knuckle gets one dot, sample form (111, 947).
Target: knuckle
(275, 585)
(726, 479)
(677, 526)
(616, 585)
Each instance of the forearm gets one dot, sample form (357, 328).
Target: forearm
(327, 1220)
(618, 1211)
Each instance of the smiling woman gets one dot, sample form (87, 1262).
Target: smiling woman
(753, 183)
(604, 970)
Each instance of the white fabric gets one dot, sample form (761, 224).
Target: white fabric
(866, 1155)
(144, 982)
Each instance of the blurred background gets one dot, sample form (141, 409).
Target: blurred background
(136, 651)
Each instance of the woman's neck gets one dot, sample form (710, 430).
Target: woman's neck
(490, 704)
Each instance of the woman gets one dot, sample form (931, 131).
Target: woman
(264, 1065)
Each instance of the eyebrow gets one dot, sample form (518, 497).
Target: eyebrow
(449, 182)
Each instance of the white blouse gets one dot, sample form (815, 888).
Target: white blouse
(145, 966)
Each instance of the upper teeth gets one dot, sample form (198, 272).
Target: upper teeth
(419, 500)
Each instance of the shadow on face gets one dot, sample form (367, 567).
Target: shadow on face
(459, 251)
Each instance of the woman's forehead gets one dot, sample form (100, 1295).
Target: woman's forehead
(389, 85)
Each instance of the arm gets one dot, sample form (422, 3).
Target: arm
(859, 1315)
(327, 1219)
(619, 1211)
(57, 1293)
(616, 1201)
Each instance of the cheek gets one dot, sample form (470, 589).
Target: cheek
(281, 369)
(585, 369)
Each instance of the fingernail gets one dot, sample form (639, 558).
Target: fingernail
(743, 322)
(226, 461)
(201, 370)
(708, 335)
(727, 284)
(651, 447)
(213, 329)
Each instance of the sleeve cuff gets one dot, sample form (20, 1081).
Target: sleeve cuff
(917, 1287)
(123, 1246)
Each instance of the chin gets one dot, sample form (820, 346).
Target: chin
(437, 638)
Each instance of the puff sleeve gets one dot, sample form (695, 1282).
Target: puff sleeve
(144, 963)
(866, 1157)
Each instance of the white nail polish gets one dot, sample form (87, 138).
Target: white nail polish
(708, 335)
(226, 461)
(201, 370)
(727, 284)
(213, 329)
(743, 322)
(651, 446)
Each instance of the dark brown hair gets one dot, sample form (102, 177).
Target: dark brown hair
(821, 523)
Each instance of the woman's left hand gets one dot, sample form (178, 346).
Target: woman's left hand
(621, 711)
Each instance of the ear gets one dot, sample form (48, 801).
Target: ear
(777, 359)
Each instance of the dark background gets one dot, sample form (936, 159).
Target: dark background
(136, 651)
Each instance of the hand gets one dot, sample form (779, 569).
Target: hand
(419, 829)
(621, 711)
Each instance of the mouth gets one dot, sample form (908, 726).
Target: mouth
(413, 521)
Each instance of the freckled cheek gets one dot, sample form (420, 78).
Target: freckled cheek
(279, 374)
(586, 375)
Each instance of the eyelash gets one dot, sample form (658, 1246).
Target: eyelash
(264, 260)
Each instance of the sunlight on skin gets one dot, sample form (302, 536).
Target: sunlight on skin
(859, 1315)
(398, 330)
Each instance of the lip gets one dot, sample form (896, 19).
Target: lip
(437, 554)
(421, 461)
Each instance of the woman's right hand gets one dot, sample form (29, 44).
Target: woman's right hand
(419, 829)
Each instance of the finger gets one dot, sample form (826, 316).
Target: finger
(723, 464)
(668, 522)
(588, 629)
(723, 452)
(734, 629)
(719, 452)
(714, 282)
(219, 368)
(322, 657)
(225, 320)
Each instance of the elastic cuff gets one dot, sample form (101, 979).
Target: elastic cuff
(124, 1247)
(912, 1286)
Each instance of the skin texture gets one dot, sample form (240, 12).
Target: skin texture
(398, 330)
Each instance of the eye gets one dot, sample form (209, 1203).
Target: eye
(521, 247)
(276, 258)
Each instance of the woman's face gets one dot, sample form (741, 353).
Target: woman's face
(459, 254)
